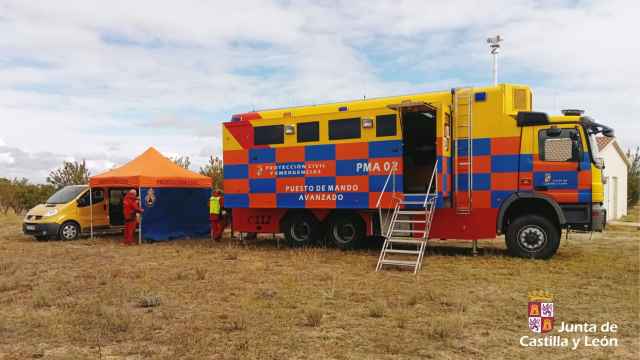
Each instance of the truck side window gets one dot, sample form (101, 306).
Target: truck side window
(386, 125)
(559, 145)
(344, 129)
(267, 135)
(308, 131)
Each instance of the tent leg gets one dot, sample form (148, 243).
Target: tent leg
(91, 211)
(140, 223)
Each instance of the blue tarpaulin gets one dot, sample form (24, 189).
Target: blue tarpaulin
(172, 213)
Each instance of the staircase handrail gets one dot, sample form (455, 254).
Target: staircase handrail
(433, 175)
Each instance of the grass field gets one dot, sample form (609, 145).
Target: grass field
(191, 299)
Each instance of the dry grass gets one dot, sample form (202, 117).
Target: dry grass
(193, 299)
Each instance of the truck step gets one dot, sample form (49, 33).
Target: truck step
(395, 240)
(406, 252)
(411, 212)
(399, 262)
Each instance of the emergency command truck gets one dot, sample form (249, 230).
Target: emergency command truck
(469, 163)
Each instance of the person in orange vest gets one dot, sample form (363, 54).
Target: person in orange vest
(216, 214)
(130, 209)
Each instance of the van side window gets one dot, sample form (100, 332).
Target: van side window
(267, 135)
(386, 125)
(559, 145)
(344, 129)
(308, 131)
(97, 196)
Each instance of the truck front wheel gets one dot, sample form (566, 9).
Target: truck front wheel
(532, 236)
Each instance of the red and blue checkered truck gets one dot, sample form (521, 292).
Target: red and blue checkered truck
(329, 171)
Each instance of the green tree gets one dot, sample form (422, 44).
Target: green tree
(71, 173)
(633, 177)
(182, 161)
(215, 170)
(19, 195)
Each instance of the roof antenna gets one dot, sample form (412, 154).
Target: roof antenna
(494, 48)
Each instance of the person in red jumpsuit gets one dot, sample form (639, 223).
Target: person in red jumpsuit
(130, 209)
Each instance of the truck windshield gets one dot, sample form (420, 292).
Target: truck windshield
(65, 194)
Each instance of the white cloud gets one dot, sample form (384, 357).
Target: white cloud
(6, 158)
(104, 81)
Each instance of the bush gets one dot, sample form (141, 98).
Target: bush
(313, 317)
(376, 310)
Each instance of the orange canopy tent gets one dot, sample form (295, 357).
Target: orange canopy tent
(150, 169)
(179, 214)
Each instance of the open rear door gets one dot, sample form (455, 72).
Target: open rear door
(418, 120)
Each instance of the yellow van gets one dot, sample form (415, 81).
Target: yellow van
(67, 213)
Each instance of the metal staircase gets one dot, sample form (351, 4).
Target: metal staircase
(408, 231)
(463, 138)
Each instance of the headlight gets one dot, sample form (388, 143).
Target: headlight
(50, 212)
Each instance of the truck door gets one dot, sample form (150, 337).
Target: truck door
(557, 154)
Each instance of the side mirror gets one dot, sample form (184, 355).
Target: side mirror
(81, 202)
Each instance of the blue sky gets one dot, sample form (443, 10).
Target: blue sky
(103, 81)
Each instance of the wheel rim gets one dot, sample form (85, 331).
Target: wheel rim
(301, 231)
(532, 238)
(69, 232)
(344, 233)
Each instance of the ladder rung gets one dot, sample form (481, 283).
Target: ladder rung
(399, 262)
(405, 241)
(412, 221)
(411, 202)
(411, 231)
(410, 212)
(407, 252)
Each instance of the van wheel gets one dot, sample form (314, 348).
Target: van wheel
(532, 236)
(301, 229)
(347, 231)
(69, 231)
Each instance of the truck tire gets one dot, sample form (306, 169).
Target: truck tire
(301, 229)
(346, 231)
(69, 231)
(532, 236)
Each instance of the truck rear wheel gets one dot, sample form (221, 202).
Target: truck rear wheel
(301, 229)
(532, 236)
(347, 231)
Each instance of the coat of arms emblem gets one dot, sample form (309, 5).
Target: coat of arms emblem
(150, 198)
(540, 311)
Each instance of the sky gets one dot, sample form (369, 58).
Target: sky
(102, 81)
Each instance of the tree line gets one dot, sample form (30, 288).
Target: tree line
(19, 195)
